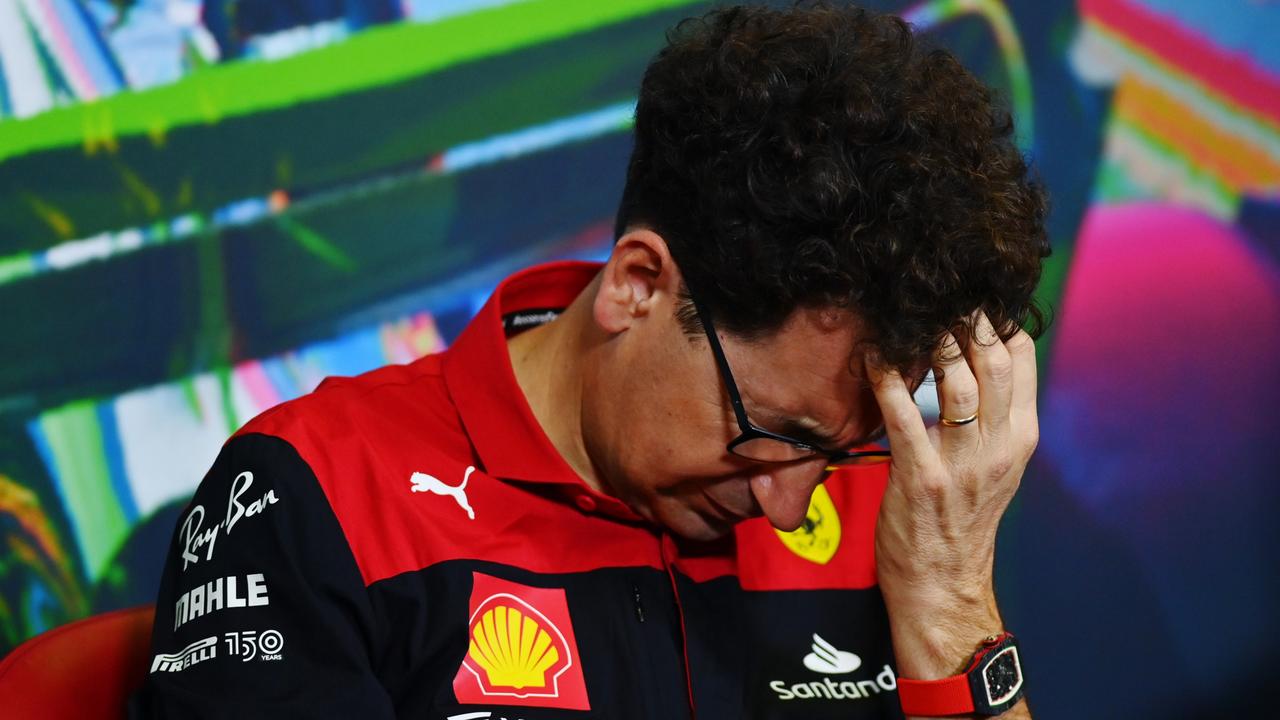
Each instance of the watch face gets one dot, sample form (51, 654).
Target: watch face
(1002, 677)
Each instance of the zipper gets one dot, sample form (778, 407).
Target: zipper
(635, 595)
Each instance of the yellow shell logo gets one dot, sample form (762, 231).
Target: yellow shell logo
(818, 537)
(514, 649)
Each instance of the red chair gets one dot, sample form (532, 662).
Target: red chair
(81, 671)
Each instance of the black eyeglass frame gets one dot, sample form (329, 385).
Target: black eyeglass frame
(750, 431)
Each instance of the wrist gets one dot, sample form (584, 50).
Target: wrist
(933, 640)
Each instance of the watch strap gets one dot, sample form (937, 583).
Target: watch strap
(936, 698)
(991, 684)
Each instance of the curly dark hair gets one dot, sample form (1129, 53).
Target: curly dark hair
(821, 157)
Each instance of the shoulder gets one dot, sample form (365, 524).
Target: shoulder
(391, 411)
(371, 442)
(388, 396)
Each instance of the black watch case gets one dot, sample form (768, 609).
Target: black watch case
(996, 684)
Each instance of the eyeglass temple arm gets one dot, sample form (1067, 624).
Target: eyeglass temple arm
(723, 363)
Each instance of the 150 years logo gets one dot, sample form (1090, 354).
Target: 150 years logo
(247, 645)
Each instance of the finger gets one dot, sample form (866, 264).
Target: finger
(903, 424)
(957, 390)
(993, 368)
(1022, 352)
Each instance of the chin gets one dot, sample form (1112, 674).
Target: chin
(691, 525)
(704, 533)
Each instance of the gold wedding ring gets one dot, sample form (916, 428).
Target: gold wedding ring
(957, 423)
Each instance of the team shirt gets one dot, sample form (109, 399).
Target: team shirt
(408, 544)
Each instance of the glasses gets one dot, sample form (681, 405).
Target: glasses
(756, 443)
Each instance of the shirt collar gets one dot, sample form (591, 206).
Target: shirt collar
(477, 371)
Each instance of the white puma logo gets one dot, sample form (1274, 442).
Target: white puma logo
(428, 484)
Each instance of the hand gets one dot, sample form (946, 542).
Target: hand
(948, 488)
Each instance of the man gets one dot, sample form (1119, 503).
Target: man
(621, 512)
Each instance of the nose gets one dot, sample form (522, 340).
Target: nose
(784, 491)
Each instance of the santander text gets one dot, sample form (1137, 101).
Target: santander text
(829, 689)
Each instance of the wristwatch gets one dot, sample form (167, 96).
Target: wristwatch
(991, 684)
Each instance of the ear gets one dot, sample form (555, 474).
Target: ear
(639, 279)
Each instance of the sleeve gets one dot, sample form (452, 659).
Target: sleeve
(262, 611)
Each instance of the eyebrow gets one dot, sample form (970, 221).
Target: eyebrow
(804, 431)
(800, 431)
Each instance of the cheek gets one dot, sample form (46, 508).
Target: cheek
(676, 420)
(673, 444)
(698, 429)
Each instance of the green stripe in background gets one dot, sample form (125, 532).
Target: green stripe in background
(374, 57)
(75, 443)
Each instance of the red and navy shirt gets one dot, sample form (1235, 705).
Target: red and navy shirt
(408, 544)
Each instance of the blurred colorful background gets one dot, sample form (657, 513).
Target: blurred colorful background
(207, 207)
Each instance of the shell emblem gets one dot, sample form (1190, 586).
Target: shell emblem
(818, 537)
(521, 649)
(511, 645)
